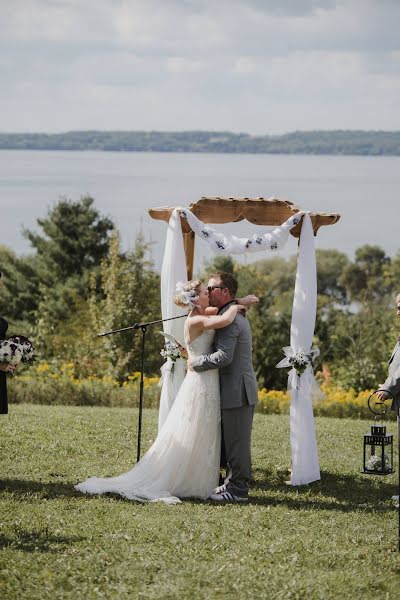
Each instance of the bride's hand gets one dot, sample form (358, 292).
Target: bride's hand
(249, 300)
(183, 351)
(241, 308)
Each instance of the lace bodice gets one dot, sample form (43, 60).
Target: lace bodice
(201, 345)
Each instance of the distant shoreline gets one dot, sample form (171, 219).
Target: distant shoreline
(346, 142)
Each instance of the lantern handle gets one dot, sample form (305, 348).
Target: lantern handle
(382, 402)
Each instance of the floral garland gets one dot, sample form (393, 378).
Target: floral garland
(230, 244)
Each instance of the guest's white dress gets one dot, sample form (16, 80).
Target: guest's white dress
(184, 460)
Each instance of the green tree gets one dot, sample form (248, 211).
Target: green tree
(127, 292)
(20, 295)
(369, 277)
(73, 239)
(224, 263)
(360, 346)
(395, 274)
(271, 332)
(330, 267)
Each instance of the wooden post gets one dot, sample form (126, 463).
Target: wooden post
(188, 243)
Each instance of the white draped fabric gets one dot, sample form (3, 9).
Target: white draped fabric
(305, 465)
(173, 270)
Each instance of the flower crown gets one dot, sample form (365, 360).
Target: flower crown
(189, 298)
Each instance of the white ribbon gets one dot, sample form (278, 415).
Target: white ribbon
(173, 270)
(305, 464)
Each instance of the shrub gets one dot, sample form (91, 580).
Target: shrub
(332, 401)
(57, 383)
(49, 383)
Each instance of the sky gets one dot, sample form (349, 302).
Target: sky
(254, 66)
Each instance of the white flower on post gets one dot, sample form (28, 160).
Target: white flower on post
(298, 359)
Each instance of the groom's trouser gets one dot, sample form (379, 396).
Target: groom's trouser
(222, 462)
(237, 425)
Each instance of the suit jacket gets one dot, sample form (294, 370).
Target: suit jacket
(392, 383)
(233, 358)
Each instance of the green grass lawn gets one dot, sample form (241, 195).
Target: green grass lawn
(333, 539)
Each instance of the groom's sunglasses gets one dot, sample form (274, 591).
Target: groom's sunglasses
(215, 287)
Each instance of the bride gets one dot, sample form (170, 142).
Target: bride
(183, 462)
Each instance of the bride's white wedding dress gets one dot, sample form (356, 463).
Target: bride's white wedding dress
(184, 460)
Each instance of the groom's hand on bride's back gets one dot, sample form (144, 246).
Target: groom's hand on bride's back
(189, 364)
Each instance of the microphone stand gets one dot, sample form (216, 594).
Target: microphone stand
(143, 328)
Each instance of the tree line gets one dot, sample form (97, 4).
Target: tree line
(346, 142)
(78, 281)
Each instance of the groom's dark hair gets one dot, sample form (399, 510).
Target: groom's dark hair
(227, 280)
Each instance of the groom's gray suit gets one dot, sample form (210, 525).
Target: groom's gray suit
(233, 358)
(392, 383)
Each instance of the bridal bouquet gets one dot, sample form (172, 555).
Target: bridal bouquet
(171, 351)
(16, 349)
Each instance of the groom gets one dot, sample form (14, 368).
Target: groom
(233, 358)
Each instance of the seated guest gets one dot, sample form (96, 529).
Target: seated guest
(4, 368)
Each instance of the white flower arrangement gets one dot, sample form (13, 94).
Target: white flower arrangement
(298, 360)
(374, 463)
(171, 352)
(16, 349)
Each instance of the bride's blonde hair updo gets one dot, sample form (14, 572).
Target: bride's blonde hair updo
(187, 293)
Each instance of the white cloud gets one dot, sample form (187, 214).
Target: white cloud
(243, 65)
(180, 64)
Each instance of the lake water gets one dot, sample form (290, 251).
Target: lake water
(364, 190)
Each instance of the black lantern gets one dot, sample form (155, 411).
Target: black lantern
(378, 451)
(378, 447)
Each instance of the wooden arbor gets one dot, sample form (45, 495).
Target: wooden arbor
(260, 211)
